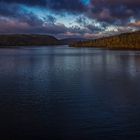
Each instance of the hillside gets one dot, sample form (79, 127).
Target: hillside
(67, 41)
(27, 40)
(122, 41)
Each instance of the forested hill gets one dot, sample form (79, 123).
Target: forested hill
(122, 41)
(27, 40)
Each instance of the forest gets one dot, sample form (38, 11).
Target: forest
(122, 41)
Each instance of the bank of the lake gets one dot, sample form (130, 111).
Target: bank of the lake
(32, 40)
(126, 41)
(17, 40)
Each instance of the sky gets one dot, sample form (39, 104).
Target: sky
(69, 18)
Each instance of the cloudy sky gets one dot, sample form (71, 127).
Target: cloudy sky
(69, 18)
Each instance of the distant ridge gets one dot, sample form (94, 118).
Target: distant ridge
(123, 41)
(27, 40)
(68, 41)
(15, 40)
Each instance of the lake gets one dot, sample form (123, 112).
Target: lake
(64, 93)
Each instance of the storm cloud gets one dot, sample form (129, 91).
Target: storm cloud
(64, 18)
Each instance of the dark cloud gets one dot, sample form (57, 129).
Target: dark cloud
(90, 27)
(114, 10)
(81, 20)
(55, 5)
(16, 19)
(17, 26)
(26, 2)
(66, 5)
(16, 12)
(50, 19)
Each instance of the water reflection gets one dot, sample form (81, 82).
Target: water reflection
(69, 93)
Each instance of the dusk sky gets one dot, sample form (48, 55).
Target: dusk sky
(69, 18)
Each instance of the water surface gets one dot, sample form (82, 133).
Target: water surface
(64, 93)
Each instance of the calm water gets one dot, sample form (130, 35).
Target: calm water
(66, 93)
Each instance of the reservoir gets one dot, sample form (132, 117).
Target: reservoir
(63, 93)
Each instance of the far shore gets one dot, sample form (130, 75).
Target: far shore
(126, 41)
